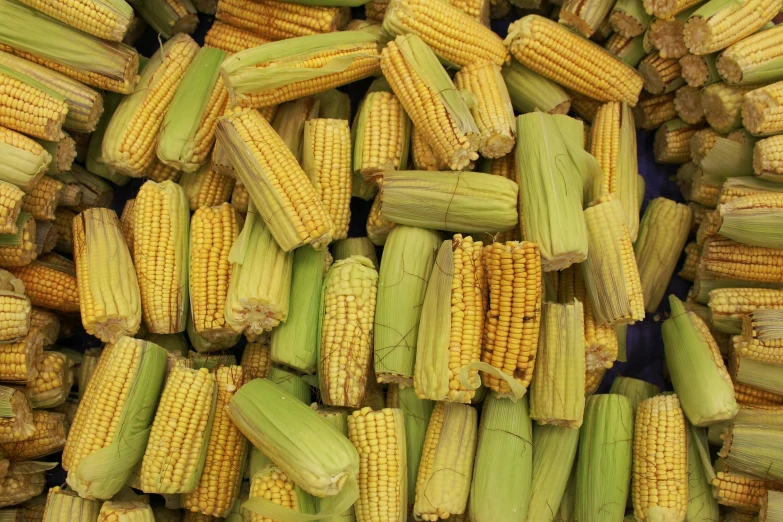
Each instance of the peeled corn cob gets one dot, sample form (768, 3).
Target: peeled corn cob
(49, 437)
(661, 75)
(652, 111)
(231, 39)
(718, 24)
(50, 286)
(272, 20)
(23, 481)
(60, 502)
(722, 105)
(754, 59)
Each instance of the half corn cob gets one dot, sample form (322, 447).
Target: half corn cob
(109, 295)
(652, 111)
(377, 228)
(19, 249)
(729, 305)
(206, 188)
(231, 39)
(687, 103)
(123, 389)
(761, 110)
(42, 200)
(574, 63)
(726, 259)
(661, 75)
(584, 17)
(722, 104)
(699, 70)
(754, 59)
(529, 91)
(273, 20)
(554, 453)
(22, 356)
(740, 490)
(628, 50)
(25, 160)
(753, 449)
(23, 481)
(14, 316)
(47, 322)
(752, 220)
(49, 437)
(443, 360)
(629, 18)
(346, 331)
(672, 141)
(17, 422)
(45, 108)
(53, 383)
(130, 139)
(168, 17)
(60, 502)
(718, 24)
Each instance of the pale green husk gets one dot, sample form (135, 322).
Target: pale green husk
(554, 453)
(164, 19)
(62, 505)
(756, 373)
(94, 162)
(529, 91)
(747, 414)
(290, 120)
(761, 227)
(634, 389)
(211, 361)
(727, 158)
(22, 168)
(632, 52)
(334, 104)
(339, 419)
(354, 246)
(291, 383)
(702, 506)
(17, 239)
(757, 450)
(633, 9)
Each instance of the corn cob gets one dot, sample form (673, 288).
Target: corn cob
(629, 18)
(50, 286)
(63, 218)
(255, 361)
(652, 111)
(661, 75)
(748, 395)
(17, 422)
(64, 503)
(293, 212)
(727, 259)
(109, 296)
(761, 108)
(49, 437)
(662, 236)
(125, 147)
(529, 91)
(722, 105)
(231, 39)
(554, 453)
(168, 17)
(402, 283)
(42, 200)
(740, 490)
(377, 228)
(160, 172)
(85, 58)
(348, 304)
(372, 152)
(752, 449)
(255, 75)
(748, 367)
(691, 263)
(665, 35)
(603, 470)
(87, 369)
(206, 188)
(11, 202)
(423, 155)
(96, 191)
(660, 474)
(19, 249)
(125, 511)
(730, 156)
(274, 21)
(45, 108)
(123, 389)
(539, 186)
(239, 198)
(106, 19)
(445, 470)
(696, 367)
(26, 160)
(258, 295)
(628, 50)
(583, 106)
(687, 103)
(533, 34)
(672, 141)
(415, 76)
(23, 481)
(460, 281)
(718, 24)
(53, 383)
(705, 189)
(455, 36)
(699, 70)
(15, 315)
(47, 322)
(702, 506)
(608, 237)
(761, 210)
(22, 356)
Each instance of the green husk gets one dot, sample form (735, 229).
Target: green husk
(291, 383)
(772, 506)
(63, 153)
(164, 19)
(172, 343)
(202, 345)
(554, 453)
(290, 120)
(184, 118)
(553, 173)
(747, 185)
(334, 104)
(757, 450)
(94, 162)
(702, 506)
(629, 18)
(603, 472)
(211, 361)
(759, 226)
(557, 390)
(763, 67)
(294, 342)
(628, 50)
(354, 246)
(417, 416)
(313, 453)
(755, 373)
(454, 201)
(105, 471)
(729, 158)
(702, 287)
(634, 389)
(529, 91)
(17, 239)
(696, 368)
(23, 168)
(503, 469)
(61, 504)
(339, 419)
(409, 255)
(567, 510)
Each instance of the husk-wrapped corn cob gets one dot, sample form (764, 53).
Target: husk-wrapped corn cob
(739, 490)
(377, 228)
(125, 511)
(415, 76)
(761, 109)
(374, 152)
(346, 331)
(672, 142)
(726, 259)
(49, 437)
(699, 70)
(23, 481)
(188, 130)
(94, 162)
(532, 36)
(705, 188)
(132, 151)
(754, 59)
(206, 188)
(662, 236)
(582, 105)
(168, 17)
(730, 156)
(718, 24)
(239, 198)
(752, 449)
(722, 105)
(317, 63)
(274, 21)
(293, 212)
(231, 39)
(22, 356)
(47, 323)
(554, 453)
(629, 18)
(269, 482)
(691, 263)
(752, 220)
(652, 111)
(748, 367)
(294, 342)
(60, 502)
(443, 360)
(402, 282)
(702, 506)
(25, 160)
(290, 382)
(123, 388)
(258, 293)
(53, 383)
(687, 103)
(19, 249)
(529, 91)
(17, 422)
(355, 246)
(45, 108)
(696, 368)
(628, 50)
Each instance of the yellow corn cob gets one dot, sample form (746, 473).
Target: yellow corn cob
(160, 172)
(23, 481)
(374, 152)
(722, 105)
(14, 316)
(49, 437)
(718, 24)
(652, 111)
(760, 340)
(327, 162)
(761, 109)
(452, 34)
(734, 188)
(122, 391)
(705, 189)
(692, 259)
(379, 437)
(109, 294)
(212, 233)
(16, 417)
(751, 220)
(255, 360)
(660, 471)
(574, 63)
(446, 466)
(665, 35)
(125, 511)
(226, 451)
(729, 305)
(349, 297)
(753, 59)
(740, 490)
(420, 82)
(42, 201)
(699, 71)
(206, 188)
(107, 19)
(21, 357)
(424, 157)
(744, 450)
(529, 91)
(240, 198)
(255, 75)
(662, 236)
(44, 108)
(272, 484)
(727, 259)
(701, 143)
(275, 21)
(687, 103)
(672, 142)
(378, 229)
(766, 164)
(130, 139)
(660, 74)
(47, 322)
(292, 210)
(231, 39)
(53, 383)
(748, 395)
(160, 252)
(584, 17)
(608, 236)
(455, 302)
(11, 202)
(64, 503)
(173, 464)
(19, 249)
(26, 160)
(510, 338)
(126, 223)
(492, 108)
(628, 50)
